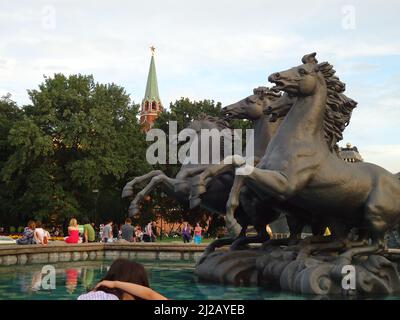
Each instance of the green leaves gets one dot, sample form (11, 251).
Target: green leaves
(184, 111)
(76, 135)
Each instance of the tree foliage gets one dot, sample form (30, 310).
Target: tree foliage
(75, 136)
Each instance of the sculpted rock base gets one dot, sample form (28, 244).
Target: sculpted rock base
(315, 274)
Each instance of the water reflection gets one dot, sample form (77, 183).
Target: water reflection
(88, 276)
(71, 281)
(173, 280)
(36, 283)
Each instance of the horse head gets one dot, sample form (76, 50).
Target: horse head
(280, 107)
(306, 80)
(302, 80)
(252, 107)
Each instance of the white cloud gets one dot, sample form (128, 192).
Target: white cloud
(386, 156)
(210, 49)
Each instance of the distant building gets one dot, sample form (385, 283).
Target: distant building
(350, 154)
(151, 103)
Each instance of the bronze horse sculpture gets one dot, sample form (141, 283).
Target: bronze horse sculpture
(301, 165)
(261, 212)
(253, 108)
(180, 186)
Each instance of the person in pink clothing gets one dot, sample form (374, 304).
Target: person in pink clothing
(197, 234)
(73, 232)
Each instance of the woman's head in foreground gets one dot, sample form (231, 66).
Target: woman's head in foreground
(126, 271)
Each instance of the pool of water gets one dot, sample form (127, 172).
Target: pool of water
(175, 280)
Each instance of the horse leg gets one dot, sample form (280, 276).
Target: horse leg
(296, 226)
(272, 183)
(219, 243)
(232, 204)
(167, 182)
(260, 215)
(380, 213)
(262, 236)
(214, 245)
(200, 186)
(128, 189)
(223, 242)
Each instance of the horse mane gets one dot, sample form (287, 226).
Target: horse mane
(220, 122)
(339, 107)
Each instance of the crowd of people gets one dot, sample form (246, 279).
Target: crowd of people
(187, 233)
(74, 232)
(112, 232)
(34, 233)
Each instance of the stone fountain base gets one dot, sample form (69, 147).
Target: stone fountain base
(291, 270)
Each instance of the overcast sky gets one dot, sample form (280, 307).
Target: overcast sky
(214, 49)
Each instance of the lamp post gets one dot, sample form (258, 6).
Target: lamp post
(96, 193)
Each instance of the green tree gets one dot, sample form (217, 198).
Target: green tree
(9, 115)
(76, 136)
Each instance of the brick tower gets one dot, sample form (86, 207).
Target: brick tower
(151, 103)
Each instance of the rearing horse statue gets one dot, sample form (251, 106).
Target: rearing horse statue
(260, 211)
(253, 108)
(301, 164)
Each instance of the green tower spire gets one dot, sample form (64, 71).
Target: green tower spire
(151, 93)
(151, 104)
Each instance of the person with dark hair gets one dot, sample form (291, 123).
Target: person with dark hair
(198, 233)
(28, 234)
(186, 232)
(127, 230)
(154, 233)
(88, 232)
(125, 280)
(115, 232)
